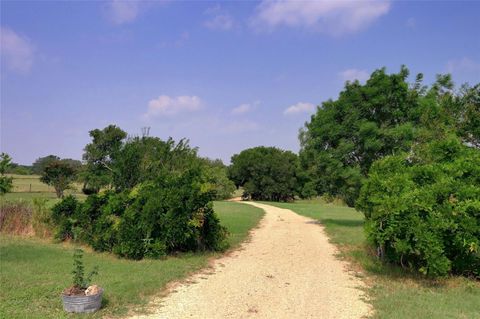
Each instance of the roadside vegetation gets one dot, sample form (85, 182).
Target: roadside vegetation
(405, 155)
(35, 271)
(394, 292)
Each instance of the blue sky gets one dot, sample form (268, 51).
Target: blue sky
(226, 75)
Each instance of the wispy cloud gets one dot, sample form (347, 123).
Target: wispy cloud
(219, 19)
(122, 11)
(300, 107)
(166, 105)
(16, 50)
(463, 65)
(126, 11)
(331, 17)
(245, 108)
(354, 74)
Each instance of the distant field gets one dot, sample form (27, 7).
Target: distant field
(28, 187)
(396, 295)
(34, 272)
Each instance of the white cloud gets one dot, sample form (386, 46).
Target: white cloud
(245, 107)
(122, 11)
(332, 17)
(354, 74)
(300, 107)
(219, 19)
(166, 105)
(16, 50)
(464, 65)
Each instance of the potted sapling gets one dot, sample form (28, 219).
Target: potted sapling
(82, 296)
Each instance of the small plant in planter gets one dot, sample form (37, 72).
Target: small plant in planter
(81, 296)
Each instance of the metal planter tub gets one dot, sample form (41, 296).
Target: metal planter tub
(82, 303)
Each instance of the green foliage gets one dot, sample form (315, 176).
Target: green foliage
(19, 169)
(6, 182)
(217, 176)
(159, 201)
(38, 167)
(347, 135)
(265, 173)
(422, 209)
(81, 281)
(63, 216)
(385, 116)
(60, 174)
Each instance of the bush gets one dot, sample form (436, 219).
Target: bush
(63, 215)
(172, 213)
(423, 209)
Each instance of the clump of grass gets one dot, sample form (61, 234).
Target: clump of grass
(15, 218)
(23, 218)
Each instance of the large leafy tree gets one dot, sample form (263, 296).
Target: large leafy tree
(382, 117)
(99, 155)
(366, 122)
(266, 173)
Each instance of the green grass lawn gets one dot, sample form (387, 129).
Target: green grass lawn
(33, 272)
(394, 293)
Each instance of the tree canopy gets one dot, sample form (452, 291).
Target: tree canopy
(60, 174)
(265, 173)
(384, 116)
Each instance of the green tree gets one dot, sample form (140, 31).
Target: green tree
(59, 174)
(217, 176)
(6, 182)
(99, 155)
(384, 116)
(265, 173)
(38, 167)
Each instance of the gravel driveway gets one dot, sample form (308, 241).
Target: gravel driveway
(287, 270)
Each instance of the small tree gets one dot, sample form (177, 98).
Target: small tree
(80, 281)
(60, 175)
(6, 182)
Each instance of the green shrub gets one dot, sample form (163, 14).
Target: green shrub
(423, 209)
(172, 213)
(63, 215)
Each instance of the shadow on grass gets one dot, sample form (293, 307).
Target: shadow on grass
(365, 256)
(344, 222)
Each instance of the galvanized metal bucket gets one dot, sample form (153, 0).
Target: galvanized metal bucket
(82, 303)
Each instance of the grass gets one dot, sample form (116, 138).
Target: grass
(34, 272)
(394, 293)
(28, 187)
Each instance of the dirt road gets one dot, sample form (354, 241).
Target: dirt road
(287, 270)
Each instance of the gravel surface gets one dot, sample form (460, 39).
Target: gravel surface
(287, 270)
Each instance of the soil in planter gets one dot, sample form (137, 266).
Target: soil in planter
(74, 291)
